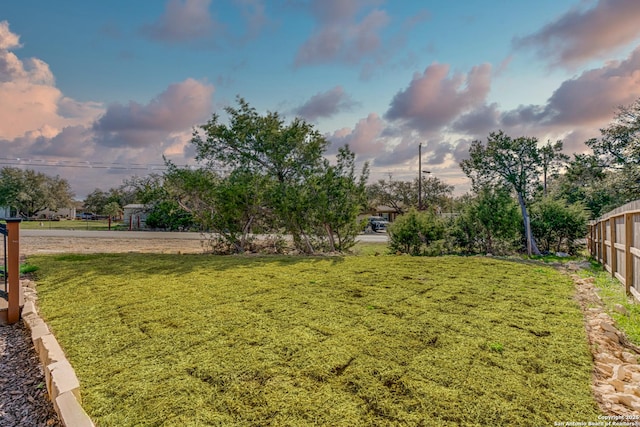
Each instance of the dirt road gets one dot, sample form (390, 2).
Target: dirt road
(33, 242)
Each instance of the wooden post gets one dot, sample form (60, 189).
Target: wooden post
(614, 258)
(13, 269)
(628, 256)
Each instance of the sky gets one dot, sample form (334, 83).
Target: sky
(97, 92)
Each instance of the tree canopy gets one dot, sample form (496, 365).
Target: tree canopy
(28, 192)
(274, 176)
(504, 160)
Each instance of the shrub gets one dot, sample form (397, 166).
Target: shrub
(557, 224)
(416, 233)
(490, 222)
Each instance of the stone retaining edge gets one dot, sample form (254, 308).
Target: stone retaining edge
(62, 384)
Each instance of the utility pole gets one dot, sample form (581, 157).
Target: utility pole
(420, 177)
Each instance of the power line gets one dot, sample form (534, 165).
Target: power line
(17, 161)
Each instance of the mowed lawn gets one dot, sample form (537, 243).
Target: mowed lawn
(194, 340)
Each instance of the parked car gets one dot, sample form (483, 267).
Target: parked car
(86, 215)
(377, 223)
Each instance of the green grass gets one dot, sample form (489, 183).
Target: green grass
(193, 340)
(69, 224)
(612, 292)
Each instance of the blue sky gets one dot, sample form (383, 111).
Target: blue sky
(99, 91)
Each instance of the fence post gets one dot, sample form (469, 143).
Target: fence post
(13, 269)
(628, 244)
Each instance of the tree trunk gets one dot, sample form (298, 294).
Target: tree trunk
(332, 242)
(532, 248)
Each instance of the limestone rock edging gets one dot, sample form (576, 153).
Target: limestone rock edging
(616, 379)
(62, 384)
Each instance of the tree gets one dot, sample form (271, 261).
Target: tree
(489, 222)
(29, 192)
(619, 145)
(504, 160)
(558, 224)
(618, 153)
(587, 181)
(415, 231)
(403, 195)
(398, 195)
(102, 202)
(337, 197)
(227, 205)
(169, 215)
(552, 160)
(435, 193)
(96, 201)
(113, 209)
(284, 159)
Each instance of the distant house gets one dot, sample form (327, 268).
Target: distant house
(386, 212)
(135, 216)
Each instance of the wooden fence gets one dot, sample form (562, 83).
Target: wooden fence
(614, 240)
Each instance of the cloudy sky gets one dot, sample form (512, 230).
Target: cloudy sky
(99, 91)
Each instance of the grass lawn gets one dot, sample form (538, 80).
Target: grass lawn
(613, 292)
(69, 224)
(193, 340)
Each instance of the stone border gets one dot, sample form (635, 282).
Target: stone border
(616, 372)
(62, 384)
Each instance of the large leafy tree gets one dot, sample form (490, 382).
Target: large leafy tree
(102, 202)
(618, 152)
(585, 180)
(403, 195)
(280, 165)
(395, 194)
(265, 145)
(512, 161)
(29, 192)
(619, 145)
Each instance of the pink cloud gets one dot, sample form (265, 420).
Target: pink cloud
(325, 104)
(596, 93)
(28, 85)
(183, 21)
(581, 35)
(363, 139)
(181, 106)
(8, 40)
(434, 99)
(339, 35)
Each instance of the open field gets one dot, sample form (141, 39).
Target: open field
(69, 224)
(358, 340)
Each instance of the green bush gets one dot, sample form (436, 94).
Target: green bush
(169, 215)
(489, 222)
(417, 233)
(557, 225)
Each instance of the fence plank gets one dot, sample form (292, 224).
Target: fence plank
(612, 241)
(628, 256)
(614, 255)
